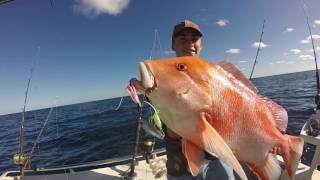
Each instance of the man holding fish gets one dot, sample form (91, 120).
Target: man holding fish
(214, 108)
(186, 41)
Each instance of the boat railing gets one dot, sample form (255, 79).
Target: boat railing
(316, 157)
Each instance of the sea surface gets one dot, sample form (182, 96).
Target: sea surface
(93, 131)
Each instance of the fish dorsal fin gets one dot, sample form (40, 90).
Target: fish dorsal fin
(279, 113)
(229, 67)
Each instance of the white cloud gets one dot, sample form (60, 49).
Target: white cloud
(271, 63)
(306, 57)
(289, 62)
(222, 22)
(308, 39)
(233, 51)
(168, 52)
(295, 51)
(317, 22)
(314, 36)
(304, 41)
(243, 61)
(311, 50)
(262, 45)
(289, 30)
(92, 8)
(279, 62)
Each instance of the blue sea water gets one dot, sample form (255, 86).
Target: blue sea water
(92, 131)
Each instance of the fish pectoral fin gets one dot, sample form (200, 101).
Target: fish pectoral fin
(215, 145)
(194, 156)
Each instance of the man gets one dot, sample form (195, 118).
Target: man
(186, 41)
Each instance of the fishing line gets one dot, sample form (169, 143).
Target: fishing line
(154, 109)
(117, 108)
(57, 125)
(39, 135)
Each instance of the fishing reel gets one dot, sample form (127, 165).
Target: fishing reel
(21, 159)
(148, 146)
(312, 127)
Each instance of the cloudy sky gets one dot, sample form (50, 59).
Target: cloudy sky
(84, 50)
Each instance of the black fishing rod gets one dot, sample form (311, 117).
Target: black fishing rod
(258, 50)
(137, 142)
(312, 126)
(317, 97)
(22, 157)
(5, 1)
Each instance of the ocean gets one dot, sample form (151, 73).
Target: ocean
(93, 131)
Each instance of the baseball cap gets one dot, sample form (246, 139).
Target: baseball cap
(178, 28)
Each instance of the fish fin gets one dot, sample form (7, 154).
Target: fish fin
(279, 113)
(269, 169)
(194, 156)
(215, 145)
(292, 154)
(229, 67)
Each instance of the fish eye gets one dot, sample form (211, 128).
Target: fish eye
(181, 67)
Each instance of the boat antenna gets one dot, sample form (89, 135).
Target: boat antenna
(317, 97)
(156, 43)
(258, 50)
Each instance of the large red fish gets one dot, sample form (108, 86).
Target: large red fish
(216, 109)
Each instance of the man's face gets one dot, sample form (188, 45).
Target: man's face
(187, 43)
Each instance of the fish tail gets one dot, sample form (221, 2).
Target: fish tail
(269, 169)
(293, 153)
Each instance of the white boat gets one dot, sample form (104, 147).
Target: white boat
(119, 168)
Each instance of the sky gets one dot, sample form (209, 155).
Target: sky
(86, 50)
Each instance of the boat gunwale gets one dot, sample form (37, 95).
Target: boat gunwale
(82, 167)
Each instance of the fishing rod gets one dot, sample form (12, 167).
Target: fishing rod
(258, 50)
(137, 142)
(317, 97)
(22, 157)
(312, 126)
(7, 1)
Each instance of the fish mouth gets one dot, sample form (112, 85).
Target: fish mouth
(148, 83)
